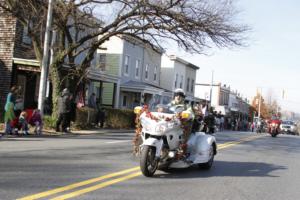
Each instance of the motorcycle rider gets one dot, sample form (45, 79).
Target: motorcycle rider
(179, 100)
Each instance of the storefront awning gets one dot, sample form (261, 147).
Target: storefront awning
(27, 64)
(234, 109)
(223, 109)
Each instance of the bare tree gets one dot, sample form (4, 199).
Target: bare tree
(84, 25)
(272, 103)
(263, 106)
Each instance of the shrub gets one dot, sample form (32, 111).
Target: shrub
(114, 118)
(85, 117)
(119, 118)
(2, 117)
(49, 122)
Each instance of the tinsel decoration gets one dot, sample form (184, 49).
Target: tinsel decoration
(138, 130)
(137, 140)
(186, 126)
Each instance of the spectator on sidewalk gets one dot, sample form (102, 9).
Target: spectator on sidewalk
(9, 115)
(72, 113)
(23, 122)
(101, 117)
(11, 97)
(19, 105)
(63, 110)
(222, 120)
(92, 101)
(36, 121)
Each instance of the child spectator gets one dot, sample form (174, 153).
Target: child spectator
(23, 122)
(36, 121)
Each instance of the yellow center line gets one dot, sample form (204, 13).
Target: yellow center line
(110, 182)
(229, 144)
(79, 184)
(96, 187)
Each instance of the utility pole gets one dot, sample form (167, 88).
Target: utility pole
(259, 103)
(211, 86)
(44, 69)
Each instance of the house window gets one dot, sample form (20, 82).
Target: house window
(155, 73)
(188, 85)
(126, 65)
(192, 85)
(146, 71)
(102, 61)
(176, 80)
(137, 68)
(181, 81)
(25, 37)
(124, 102)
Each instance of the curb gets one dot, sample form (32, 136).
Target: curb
(47, 132)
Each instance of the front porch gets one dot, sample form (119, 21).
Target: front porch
(133, 93)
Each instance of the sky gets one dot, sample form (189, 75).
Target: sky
(270, 62)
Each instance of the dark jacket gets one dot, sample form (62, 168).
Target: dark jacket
(64, 104)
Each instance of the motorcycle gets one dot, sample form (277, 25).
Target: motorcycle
(274, 127)
(162, 134)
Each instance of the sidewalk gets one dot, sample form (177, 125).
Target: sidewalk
(89, 131)
(74, 132)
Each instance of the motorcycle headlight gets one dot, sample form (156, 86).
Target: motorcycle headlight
(137, 109)
(160, 128)
(185, 115)
(273, 124)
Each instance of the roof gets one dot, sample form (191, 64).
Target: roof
(140, 41)
(135, 86)
(98, 75)
(173, 57)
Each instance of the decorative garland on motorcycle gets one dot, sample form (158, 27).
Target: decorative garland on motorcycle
(163, 140)
(137, 141)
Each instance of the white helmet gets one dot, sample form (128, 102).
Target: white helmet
(179, 92)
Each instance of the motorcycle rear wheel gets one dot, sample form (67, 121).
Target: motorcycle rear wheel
(208, 164)
(148, 163)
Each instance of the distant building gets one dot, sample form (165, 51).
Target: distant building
(138, 66)
(18, 64)
(219, 96)
(178, 73)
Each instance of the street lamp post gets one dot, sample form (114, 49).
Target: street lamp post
(44, 69)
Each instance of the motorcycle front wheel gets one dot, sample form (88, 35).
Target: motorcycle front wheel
(148, 163)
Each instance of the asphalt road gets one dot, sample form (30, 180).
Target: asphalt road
(102, 167)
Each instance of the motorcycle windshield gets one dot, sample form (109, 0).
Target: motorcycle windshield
(160, 105)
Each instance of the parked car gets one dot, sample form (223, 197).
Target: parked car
(289, 127)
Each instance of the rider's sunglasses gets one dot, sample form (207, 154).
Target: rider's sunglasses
(179, 94)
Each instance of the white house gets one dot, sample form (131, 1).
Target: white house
(178, 73)
(138, 66)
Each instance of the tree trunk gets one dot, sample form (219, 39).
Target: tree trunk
(56, 88)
